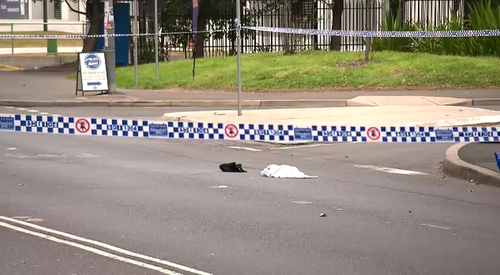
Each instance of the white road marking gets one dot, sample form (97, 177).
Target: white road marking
(22, 217)
(22, 109)
(390, 170)
(220, 186)
(44, 113)
(245, 148)
(85, 155)
(11, 148)
(107, 246)
(297, 147)
(90, 249)
(302, 202)
(33, 111)
(9, 107)
(436, 226)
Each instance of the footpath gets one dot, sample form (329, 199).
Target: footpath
(360, 108)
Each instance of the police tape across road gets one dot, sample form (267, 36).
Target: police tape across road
(114, 127)
(340, 33)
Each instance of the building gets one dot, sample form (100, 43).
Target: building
(27, 16)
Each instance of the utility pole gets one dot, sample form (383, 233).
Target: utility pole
(109, 49)
(156, 39)
(136, 32)
(238, 49)
(45, 15)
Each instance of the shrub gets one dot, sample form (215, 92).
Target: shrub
(483, 16)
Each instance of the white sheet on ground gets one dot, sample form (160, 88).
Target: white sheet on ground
(284, 172)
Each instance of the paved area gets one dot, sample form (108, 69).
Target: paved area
(481, 154)
(438, 116)
(157, 198)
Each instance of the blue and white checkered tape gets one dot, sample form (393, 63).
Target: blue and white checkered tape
(114, 127)
(341, 33)
(381, 34)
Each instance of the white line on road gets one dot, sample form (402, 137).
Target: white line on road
(245, 148)
(22, 109)
(436, 226)
(297, 147)
(302, 202)
(90, 249)
(219, 187)
(390, 170)
(11, 148)
(44, 113)
(33, 111)
(107, 246)
(9, 107)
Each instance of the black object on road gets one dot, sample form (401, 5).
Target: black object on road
(232, 167)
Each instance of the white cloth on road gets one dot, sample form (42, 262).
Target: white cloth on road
(284, 172)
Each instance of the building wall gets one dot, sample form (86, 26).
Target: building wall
(70, 21)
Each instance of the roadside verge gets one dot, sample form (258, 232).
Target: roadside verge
(456, 167)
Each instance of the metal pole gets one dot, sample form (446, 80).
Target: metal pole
(110, 50)
(136, 32)
(45, 15)
(238, 49)
(12, 42)
(156, 39)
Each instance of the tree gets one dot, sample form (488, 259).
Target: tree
(92, 14)
(337, 8)
(220, 14)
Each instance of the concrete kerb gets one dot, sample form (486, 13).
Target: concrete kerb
(173, 103)
(304, 103)
(456, 167)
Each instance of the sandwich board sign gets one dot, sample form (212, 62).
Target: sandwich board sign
(92, 73)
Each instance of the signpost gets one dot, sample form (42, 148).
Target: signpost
(92, 74)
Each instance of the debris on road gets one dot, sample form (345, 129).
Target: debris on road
(322, 215)
(284, 171)
(232, 167)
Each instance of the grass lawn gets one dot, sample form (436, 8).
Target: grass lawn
(321, 71)
(32, 43)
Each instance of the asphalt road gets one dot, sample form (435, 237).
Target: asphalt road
(481, 154)
(159, 198)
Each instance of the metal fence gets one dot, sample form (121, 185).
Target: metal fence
(309, 14)
(32, 46)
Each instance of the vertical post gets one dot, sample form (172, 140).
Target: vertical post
(12, 41)
(136, 33)
(238, 49)
(369, 28)
(110, 49)
(45, 15)
(156, 39)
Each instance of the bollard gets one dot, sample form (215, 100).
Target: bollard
(51, 46)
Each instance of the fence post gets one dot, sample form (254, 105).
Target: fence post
(12, 41)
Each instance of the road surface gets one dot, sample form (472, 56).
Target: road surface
(388, 209)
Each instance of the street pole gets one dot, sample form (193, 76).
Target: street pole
(45, 16)
(156, 39)
(136, 32)
(238, 49)
(110, 49)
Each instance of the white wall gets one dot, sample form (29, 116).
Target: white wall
(71, 22)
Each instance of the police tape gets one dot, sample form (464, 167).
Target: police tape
(86, 36)
(114, 127)
(381, 34)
